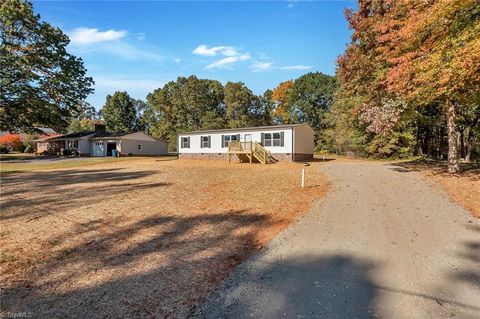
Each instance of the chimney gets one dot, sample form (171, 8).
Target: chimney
(99, 129)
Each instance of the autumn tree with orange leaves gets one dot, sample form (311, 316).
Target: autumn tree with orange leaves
(414, 53)
(282, 114)
(11, 142)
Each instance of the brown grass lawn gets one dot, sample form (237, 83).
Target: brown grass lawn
(141, 238)
(463, 188)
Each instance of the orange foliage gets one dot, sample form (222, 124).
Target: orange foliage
(280, 95)
(12, 141)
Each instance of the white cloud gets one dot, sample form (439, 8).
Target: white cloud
(227, 62)
(124, 50)
(230, 54)
(291, 3)
(258, 66)
(91, 40)
(87, 36)
(141, 36)
(118, 84)
(296, 67)
(177, 60)
(204, 50)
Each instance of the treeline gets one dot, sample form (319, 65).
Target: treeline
(190, 103)
(410, 80)
(407, 84)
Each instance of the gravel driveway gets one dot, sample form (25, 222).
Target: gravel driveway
(383, 244)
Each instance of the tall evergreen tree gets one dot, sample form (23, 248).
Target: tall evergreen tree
(119, 112)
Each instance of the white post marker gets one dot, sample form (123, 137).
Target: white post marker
(303, 177)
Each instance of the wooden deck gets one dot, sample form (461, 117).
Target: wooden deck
(248, 152)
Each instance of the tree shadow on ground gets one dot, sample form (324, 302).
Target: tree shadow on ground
(37, 194)
(156, 267)
(470, 251)
(330, 286)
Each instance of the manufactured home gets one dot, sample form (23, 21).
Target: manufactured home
(103, 143)
(293, 142)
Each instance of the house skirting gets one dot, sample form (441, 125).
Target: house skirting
(211, 156)
(283, 157)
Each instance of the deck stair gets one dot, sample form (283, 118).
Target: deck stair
(249, 152)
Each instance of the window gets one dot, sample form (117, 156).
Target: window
(185, 142)
(273, 139)
(229, 138)
(205, 141)
(139, 147)
(98, 143)
(72, 144)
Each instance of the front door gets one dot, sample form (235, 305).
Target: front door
(247, 138)
(110, 148)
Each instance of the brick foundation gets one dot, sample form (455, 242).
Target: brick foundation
(281, 157)
(210, 156)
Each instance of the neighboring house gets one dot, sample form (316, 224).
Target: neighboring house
(294, 142)
(102, 143)
(24, 138)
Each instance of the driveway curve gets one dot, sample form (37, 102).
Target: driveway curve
(384, 243)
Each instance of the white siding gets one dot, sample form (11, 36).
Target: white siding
(216, 141)
(84, 146)
(304, 139)
(148, 146)
(140, 136)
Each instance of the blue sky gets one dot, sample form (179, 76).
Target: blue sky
(139, 46)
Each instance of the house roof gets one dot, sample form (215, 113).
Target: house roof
(245, 128)
(110, 134)
(46, 130)
(69, 135)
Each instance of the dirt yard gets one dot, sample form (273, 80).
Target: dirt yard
(140, 238)
(463, 188)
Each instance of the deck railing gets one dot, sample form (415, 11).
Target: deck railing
(254, 149)
(237, 146)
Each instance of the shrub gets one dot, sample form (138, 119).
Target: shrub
(393, 145)
(13, 142)
(29, 149)
(29, 143)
